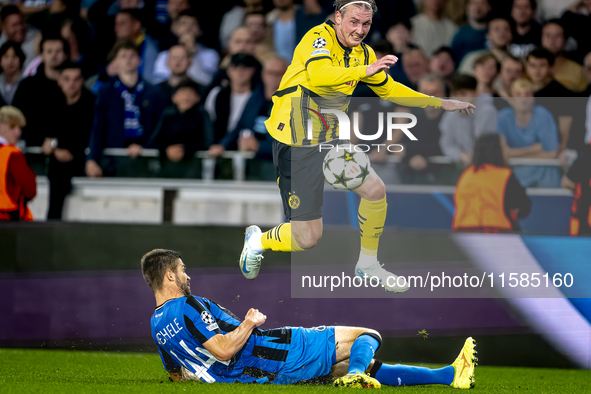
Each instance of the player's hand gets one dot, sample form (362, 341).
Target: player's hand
(93, 170)
(383, 64)
(175, 152)
(256, 317)
(454, 105)
(63, 155)
(134, 150)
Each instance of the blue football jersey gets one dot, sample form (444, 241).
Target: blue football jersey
(181, 326)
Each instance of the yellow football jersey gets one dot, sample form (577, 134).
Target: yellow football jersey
(323, 74)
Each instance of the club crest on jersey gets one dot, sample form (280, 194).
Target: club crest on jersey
(319, 43)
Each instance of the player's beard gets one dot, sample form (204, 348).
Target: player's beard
(184, 287)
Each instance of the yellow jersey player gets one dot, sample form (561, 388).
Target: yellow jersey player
(327, 64)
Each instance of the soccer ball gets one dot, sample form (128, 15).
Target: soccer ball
(344, 168)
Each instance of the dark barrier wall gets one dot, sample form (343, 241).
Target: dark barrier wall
(80, 286)
(434, 210)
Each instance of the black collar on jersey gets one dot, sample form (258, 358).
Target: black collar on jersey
(161, 305)
(346, 49)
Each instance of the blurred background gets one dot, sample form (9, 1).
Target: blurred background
(144, 129)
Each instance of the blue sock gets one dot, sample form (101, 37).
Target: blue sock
(362, 353)
(405, 375)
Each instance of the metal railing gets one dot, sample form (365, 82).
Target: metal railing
(209, 161)
(239, 160)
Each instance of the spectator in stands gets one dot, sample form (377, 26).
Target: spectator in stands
(54, 16)
(204, 61)
(283, 25)
(126, 112)
(488, 197)
(486, 69)
(172, 9)
(415, 64)
(578, 179)
(178, 63)
(539, 64)
(551, 9)
(578, 20)
(77, 33)
(250, 133)
(226, 105)
(70, 139)
(498, 39)
(19, 184)
(127, 23)
(14, 29)
(256, 24)
(530, 131)
(399, 34)
(241, 41)
(459, 132)
(431, 29)
(472, 36)
(12, 59)
(309, 15)
(443, 62)
(38, 96)
(234, 19)
(184, 128)
(566, 71)
(415, 165)
(526, 31)
(512, 69)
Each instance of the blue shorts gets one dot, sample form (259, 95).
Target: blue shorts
(311, 355)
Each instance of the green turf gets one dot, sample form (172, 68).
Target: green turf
(52, 371)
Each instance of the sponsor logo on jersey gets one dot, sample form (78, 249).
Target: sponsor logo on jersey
(320, 52)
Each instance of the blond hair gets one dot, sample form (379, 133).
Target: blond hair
(12, 116)
(522, 84)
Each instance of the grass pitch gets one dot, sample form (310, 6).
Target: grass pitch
(58, 371)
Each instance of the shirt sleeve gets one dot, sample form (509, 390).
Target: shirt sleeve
(315, 51)
(170, 364)
(199, 320)
(547, 130)
(384, 86)
(21, 174)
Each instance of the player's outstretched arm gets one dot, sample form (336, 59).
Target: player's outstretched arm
(456, 105)
(223, 347)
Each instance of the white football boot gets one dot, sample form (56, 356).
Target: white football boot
(383, 275)
(250, 261)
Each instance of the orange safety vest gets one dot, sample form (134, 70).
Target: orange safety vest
(479, 199)
(7, 204)
(580, 221)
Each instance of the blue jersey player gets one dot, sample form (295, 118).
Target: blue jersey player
(199, 339)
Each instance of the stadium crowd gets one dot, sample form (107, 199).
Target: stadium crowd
(181, 77)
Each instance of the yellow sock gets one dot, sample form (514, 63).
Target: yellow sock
(372, 216)
(279, 239)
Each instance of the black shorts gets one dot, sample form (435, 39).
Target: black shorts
(301, 180)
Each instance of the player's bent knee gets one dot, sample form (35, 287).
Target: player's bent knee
(372, 333)
(308, 241)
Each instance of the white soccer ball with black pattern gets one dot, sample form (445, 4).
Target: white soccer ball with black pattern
(344, 168)
(319, 43)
